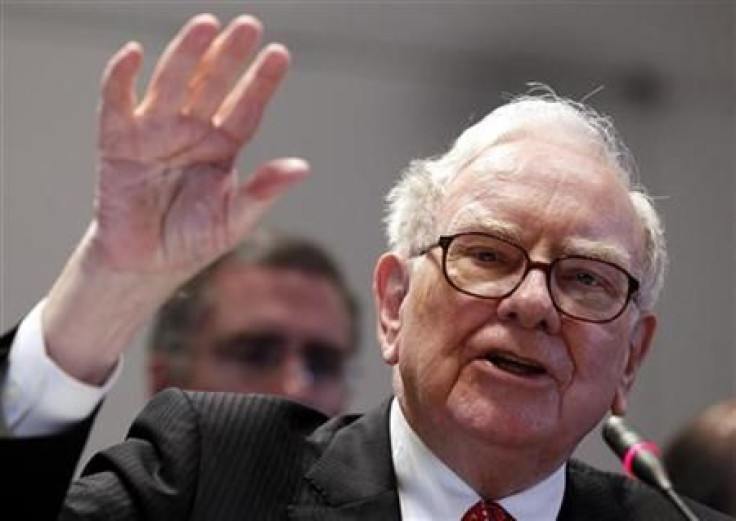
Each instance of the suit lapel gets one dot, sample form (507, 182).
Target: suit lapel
(586, 496)
(354, 477)
(592, 494)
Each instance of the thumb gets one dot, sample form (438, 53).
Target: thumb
(261, 190)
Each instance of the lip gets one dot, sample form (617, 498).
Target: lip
(537, 374)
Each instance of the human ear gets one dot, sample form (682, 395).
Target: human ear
(639, 344)
(390, 284)
(159, 373)
(168, 370)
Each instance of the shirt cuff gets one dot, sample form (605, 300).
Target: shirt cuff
(38, 397)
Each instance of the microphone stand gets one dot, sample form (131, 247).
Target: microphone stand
(680, 504)
(641, 459)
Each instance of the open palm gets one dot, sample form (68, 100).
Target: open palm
(168, 197)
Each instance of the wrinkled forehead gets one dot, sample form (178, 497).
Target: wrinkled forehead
(541, 186)
(554, 127)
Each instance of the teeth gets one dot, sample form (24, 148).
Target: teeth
(515, 366)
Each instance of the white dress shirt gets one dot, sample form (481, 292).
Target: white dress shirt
(37, 397)
(430, 491)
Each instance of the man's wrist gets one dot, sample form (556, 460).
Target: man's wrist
(38, 397)
(94, 311)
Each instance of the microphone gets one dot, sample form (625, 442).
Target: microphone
(640, 459)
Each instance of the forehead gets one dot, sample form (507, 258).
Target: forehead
(242, 297)
(542, 191)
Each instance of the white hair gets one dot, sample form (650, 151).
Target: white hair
(414, 201)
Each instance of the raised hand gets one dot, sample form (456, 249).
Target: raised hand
(168, 199)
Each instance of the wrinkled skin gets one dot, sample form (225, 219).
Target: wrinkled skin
(168, 199)
(552, 198)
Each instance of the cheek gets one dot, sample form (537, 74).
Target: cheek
(421, 341)
(430, 318)
(211, 377)
(433, 344)
(328, 398)
(598, 356)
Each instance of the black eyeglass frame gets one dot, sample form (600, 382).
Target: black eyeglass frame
(445, 240)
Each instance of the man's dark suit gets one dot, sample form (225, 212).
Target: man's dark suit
(204, 456)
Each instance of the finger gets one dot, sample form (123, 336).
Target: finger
(222, 65)
(168, 86)
(241, 111)
(117, 92)
(258, 193)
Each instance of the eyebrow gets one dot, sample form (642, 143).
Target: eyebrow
(472, 219)
(476, 220)
(597, 250)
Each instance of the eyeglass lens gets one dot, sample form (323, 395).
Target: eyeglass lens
(489, 267)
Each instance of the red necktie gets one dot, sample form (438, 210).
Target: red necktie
(487, 511)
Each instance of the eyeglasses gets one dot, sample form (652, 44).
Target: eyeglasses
(265, 352)
(489, 267)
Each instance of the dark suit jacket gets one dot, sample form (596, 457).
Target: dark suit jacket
(215, 456)
(36, 472)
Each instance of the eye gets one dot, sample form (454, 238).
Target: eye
(479, 256)
(484, 254)
(481, 253)
(588, 279)
(254, 349)
(324, 361)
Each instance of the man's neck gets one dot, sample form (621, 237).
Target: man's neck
(429, 489)
(515, 468)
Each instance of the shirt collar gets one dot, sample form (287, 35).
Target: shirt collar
(429, 490)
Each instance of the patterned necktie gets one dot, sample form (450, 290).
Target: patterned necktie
(487, 511)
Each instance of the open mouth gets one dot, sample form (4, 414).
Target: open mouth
(514, 365)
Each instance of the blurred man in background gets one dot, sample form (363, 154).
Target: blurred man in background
(273, 316)
(701, 457)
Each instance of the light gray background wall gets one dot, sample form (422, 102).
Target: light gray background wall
(374, 85)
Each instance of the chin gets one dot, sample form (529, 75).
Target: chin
(508, 426)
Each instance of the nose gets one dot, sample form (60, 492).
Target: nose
(297, 381)
(530, 304)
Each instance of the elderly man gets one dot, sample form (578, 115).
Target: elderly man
(515, 306)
